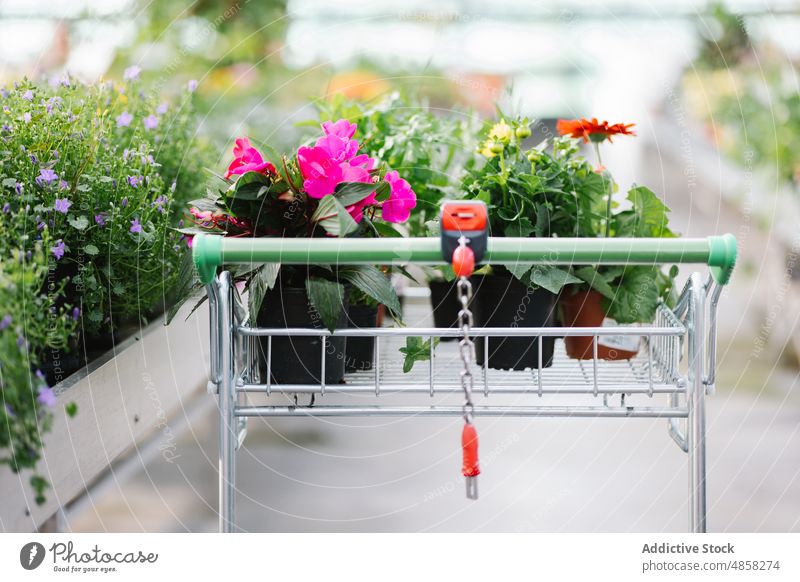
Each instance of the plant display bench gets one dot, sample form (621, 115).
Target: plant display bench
(668, 379)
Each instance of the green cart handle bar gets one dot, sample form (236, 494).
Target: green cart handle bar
(718, 252)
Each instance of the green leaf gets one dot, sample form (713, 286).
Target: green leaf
(91, 250)
(263, 279)
(349, 193)
(80, 223)
(71, 409)
(333, 217)
(551, 278)
(518, 269)
(509, 215)
(251, 186)
(327, 297)
(386, 230)
(374, 283)
(521, 228)
(647, 218)
(9, 182)
(415, 351)
(595, 280)
(635, 297)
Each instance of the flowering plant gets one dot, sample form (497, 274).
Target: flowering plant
(630, 293)
(88, 177)
(329, 188)
(537, 192)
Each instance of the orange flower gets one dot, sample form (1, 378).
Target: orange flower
(592, 130)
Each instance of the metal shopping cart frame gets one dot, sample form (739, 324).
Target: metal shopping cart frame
(677, 363)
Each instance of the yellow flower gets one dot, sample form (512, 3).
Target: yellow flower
(123, 98)
(501, 131)
(486, 151)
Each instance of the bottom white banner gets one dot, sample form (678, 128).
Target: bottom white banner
(406, 557)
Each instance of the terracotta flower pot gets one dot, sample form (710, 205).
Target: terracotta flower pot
(585, 309)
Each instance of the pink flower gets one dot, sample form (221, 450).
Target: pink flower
(338, 148)
(247, 159)
(401, 200)
(320, 171)
(342, 128)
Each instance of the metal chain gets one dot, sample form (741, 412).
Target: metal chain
(466, 346)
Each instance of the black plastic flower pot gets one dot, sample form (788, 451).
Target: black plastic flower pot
(298, 359)
(445, 305)
(360, 350)
(502, 301)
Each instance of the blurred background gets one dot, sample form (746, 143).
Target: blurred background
(713, 90)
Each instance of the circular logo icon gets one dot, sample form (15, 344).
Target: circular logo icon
(31, 555)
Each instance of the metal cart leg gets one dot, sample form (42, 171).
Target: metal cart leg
(695, 399)
(227, 404)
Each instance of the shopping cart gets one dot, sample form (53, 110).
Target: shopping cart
(668, 379)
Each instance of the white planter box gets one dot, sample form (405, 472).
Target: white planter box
(122, 398)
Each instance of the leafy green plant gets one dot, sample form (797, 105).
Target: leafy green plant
(429, 148)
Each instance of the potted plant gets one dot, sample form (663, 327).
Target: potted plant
(540, 192)
(328, 189)
(611, 295)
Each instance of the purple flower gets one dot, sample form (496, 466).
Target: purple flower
(76, 313)
(28, 95)
(21, 341)
(26, 117)
(150, 122)
(6, 208)
(63, 185)
(40, 226)
(18, 188)
(3, 92)
(46, 176)
(6, 110)
(10, 411)
(40, 375)
(192, 86)
(124, 119)
(5, 322)
(124, 202)
(125, 153)
(159, 203)
(62, 205)
(6, 128)
(58, 250)
(162, 108)
(134, 181)
(100, 219)
(33, 159)
(65, 80)
(135, 226)
(132, 73)
(46, 397)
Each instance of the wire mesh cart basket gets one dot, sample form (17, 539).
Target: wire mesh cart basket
(668, 379)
